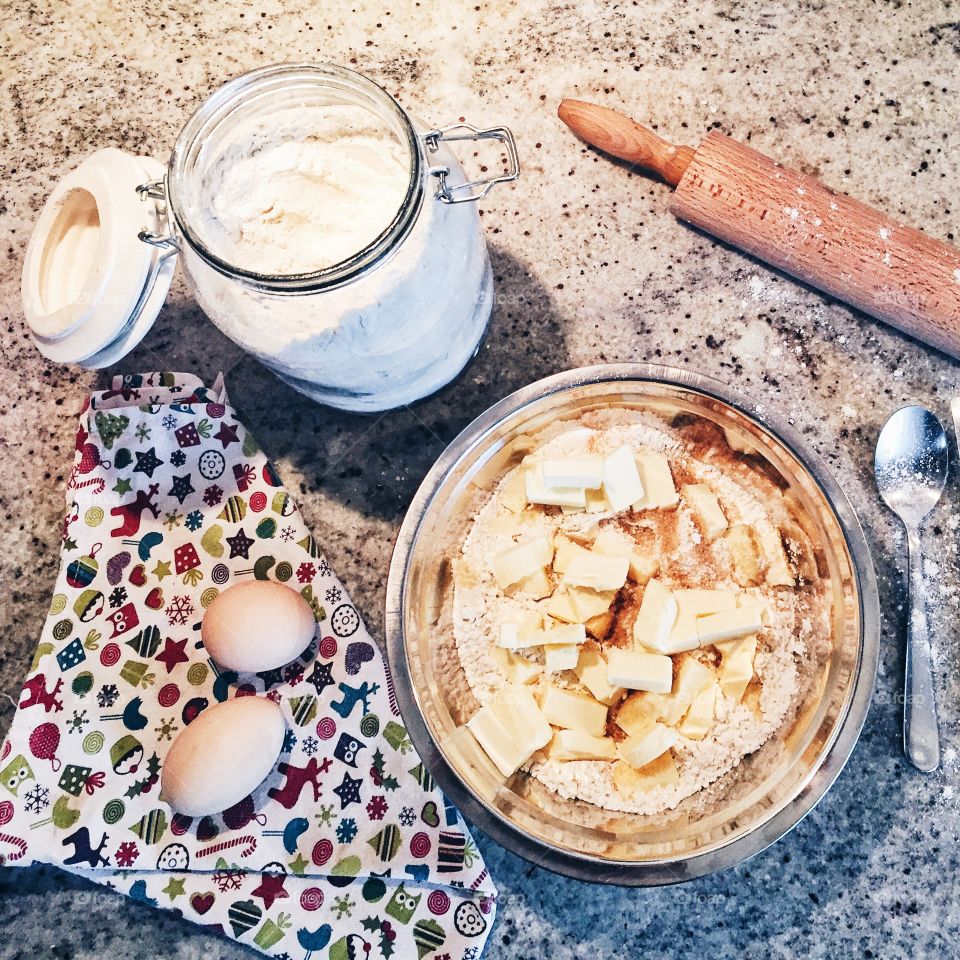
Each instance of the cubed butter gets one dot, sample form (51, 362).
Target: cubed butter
(565, 552)
(637, 670)
(737, 669)
(779, 573)
(597, 572)
(514, 633)
(560, 657)
(730, 624)
(644, 747)
(699, 719)
(577, 745)
(561, 607)
(560, 635)
(599, 627)
(510, 729)
(660, 493)
(693, 678)
(612, 543)
(661, 772)
(656, 617)
(706, 508)
(573, 711)
(692, 604)
(538, 491)
(515, 668)
(513, 492)
(745, 559)
(621, 479)
(591, 603)
(597, 502)
(592, 670)
(585, 473)
(639, 711)
(538, 585)
(521, 560)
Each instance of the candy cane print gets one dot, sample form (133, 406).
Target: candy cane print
(480, 878)
(227, 844)
(17, 842)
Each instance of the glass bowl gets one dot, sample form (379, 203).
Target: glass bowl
(772, 789)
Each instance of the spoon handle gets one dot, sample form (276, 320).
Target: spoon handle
(921, 741)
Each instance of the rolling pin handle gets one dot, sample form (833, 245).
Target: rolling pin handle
(618, 135)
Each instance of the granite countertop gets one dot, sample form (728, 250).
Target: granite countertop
(589, 267)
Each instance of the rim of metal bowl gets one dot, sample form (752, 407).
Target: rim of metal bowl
(647, 872)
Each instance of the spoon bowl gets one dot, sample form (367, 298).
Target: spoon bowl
(911, 465)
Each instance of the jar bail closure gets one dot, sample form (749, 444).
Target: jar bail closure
(471, 189)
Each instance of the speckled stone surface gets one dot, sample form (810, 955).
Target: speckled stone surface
(589, 267)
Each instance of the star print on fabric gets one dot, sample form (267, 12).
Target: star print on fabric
(270, 889)
(240, 545)
(122, 486)
(174, 888)
(147, 462)
(227, 434)
(182, 488)
(348, 791)
(299, 865)
(172, 653)
(162, 569)
(322, 676)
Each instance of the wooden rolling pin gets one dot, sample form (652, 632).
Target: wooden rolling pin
(794, 222)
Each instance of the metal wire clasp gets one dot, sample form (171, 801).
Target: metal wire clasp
(473, 189)
(156, 190)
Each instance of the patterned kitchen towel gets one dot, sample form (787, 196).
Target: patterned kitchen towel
(348, 849)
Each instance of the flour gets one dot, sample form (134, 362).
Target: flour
(303, 190)
(790, 649)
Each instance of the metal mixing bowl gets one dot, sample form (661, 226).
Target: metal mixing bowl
(773, 788)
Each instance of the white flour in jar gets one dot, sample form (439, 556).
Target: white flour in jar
(304, 190)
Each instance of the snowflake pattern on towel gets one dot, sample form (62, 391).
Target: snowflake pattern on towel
(347, 849)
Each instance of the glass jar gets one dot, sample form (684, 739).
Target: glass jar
(389, 324)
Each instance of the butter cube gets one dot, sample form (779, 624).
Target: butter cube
(661, 772)
(514, 634)
(574, 711)
(621, 479)
(729, 624)
(591, 603)
(596, 571)
(737, 670)
(515, 668)
(592, 670)
(744, 554)
(519, 561)
(779, 573)
(639, 711)
(706, 508)
(597, 502)
(611, 543)
(560, 635)
(640, 749)
(510, 729)
(699, 719)
(637, 670)
(693, 679)
(656, 617)
(584, 473)
(577, 745)
(566, 551)
(692, 604)
(560, 657)
(560, 606)
(538, 491)
(657, 480)
(599, 627)
(513, 492)
(538, 585)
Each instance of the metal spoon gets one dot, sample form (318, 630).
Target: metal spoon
(911, 469)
